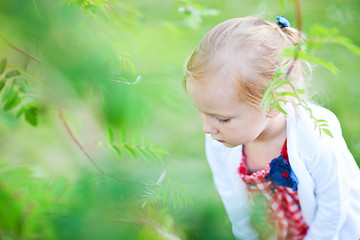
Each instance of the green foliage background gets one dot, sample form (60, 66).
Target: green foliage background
(91, 56)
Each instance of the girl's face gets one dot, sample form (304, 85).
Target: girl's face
(229, 120)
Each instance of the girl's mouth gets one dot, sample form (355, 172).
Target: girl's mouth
(220, 141)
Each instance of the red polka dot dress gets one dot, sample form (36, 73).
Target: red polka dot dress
(276, 212)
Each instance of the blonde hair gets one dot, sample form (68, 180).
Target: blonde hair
(248, 51)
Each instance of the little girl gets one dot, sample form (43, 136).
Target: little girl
(277, 177)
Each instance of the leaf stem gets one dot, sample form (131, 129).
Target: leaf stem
(298, 15)
(82, 148)
(20, 50)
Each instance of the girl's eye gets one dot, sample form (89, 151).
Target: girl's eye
(223, 120)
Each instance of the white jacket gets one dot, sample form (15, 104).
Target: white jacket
(329, 179)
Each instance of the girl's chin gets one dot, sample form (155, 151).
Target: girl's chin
(226, 144)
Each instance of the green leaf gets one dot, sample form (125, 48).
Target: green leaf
(130, 151)
(2, 84)
(268, 89)
(143, 153)
(20, 112)
(327, 131)
(265, 94)
(13, 103)
(127, 64)
(21, 82)
(130, 64)
(273, 106)
(26, 89)
(283, 100)
(330, 66)
(349, 45)
(117, 150)
(289, 52)
(30, 99)
(281, 108)
(155, 156)
(275, 78)
(161, 151)
(31, 115)
(317, 30)
(280, 83)
(320, 35)
(110, 136)
(12, 73)
(8, 91)
(10, 94)
(2, 65)
(285, 93)
(268, 96)
(266, 102)
(300, 91)
(321, 120)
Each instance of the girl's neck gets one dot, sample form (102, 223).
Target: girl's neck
(275, 129)
(267, 146)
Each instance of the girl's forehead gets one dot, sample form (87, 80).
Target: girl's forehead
(214, 87)
(216, 96)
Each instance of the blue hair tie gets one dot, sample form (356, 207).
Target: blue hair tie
(283, 22)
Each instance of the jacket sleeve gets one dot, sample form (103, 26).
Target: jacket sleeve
(233, 194)
(333, 182)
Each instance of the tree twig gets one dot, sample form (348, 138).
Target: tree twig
(298, 15)
(20, 50)
(299, 26)
(82, 148)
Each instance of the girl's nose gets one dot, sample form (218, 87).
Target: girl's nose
(207, 127)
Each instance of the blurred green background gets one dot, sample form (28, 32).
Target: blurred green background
(92, 54)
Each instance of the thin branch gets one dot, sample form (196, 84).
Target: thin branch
(299, 26)
(298, 15)
(82, 148)
(20, 50)
(288, 74)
